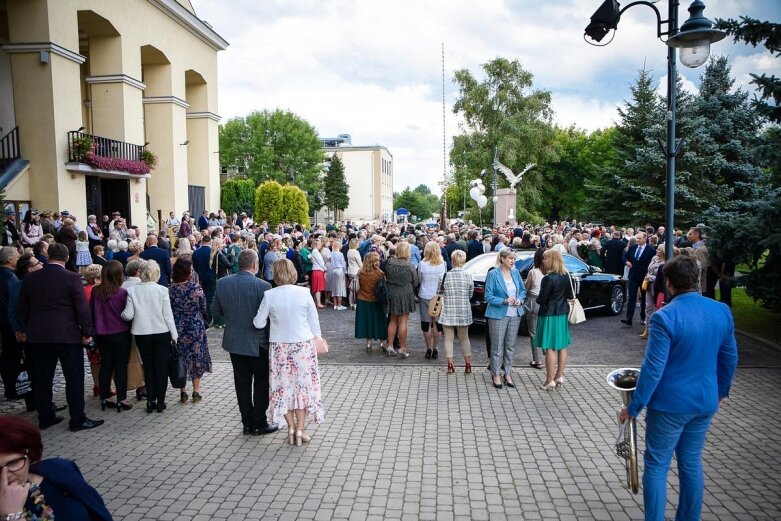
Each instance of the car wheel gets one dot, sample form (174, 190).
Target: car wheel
(617, 299)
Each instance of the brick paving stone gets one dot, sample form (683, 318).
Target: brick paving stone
(408, 441)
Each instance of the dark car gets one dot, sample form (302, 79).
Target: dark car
(595, 290)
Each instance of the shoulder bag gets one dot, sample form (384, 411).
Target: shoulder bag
(435, 304)
(177, 372)
(576, 314)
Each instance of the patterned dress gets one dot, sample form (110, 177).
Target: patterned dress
(295, 382)
(401, 280)
(188, 304)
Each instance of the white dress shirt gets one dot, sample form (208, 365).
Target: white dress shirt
(292, 313)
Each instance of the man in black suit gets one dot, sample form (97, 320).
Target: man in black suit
(159, 255)
(474, 247)
(638, 257)
(613, 254)
(237, 299)
(53, 308)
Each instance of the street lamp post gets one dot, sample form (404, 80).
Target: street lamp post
(693, 38)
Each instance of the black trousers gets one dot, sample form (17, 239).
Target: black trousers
(11, 357)
(155, 351)
(43, 361)
(631, 299)
(251, 377)
(114, 355)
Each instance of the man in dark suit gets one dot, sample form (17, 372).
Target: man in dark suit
(237, 300)
(613, 253)
(474, 247)
(638, 257)
(53, 308)
(159, 255)
(206, 275)
(203, 221)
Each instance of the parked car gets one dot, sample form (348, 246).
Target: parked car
(595, 290)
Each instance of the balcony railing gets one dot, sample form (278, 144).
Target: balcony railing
(9, 149)
(79, 145)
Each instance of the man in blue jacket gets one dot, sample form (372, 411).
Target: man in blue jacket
(206, 275)
(161, 256)
(690, 360)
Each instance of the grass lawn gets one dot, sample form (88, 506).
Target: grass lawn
(753, 318)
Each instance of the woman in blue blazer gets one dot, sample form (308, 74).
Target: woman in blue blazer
(504, 294)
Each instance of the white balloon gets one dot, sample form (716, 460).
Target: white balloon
(482, 201)
(474, 193)
(474, 182)
(495, 199)
(481, 187)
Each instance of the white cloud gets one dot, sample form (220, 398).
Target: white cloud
(373, 69)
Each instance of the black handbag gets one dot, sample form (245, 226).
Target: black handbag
(177, 373)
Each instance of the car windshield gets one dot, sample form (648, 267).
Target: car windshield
(575, 265)
(480, 264)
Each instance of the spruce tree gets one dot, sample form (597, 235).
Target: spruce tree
(335, 187)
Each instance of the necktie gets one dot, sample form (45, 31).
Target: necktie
(639, 252)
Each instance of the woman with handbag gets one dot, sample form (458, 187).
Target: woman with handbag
(149, 307)
(504, 294)
(552, 335)
(430, 272)
(533, 283)
(370, 322)
(188, 304)
(295, 375)
(401, 279)
(655, 267)
(456, 315)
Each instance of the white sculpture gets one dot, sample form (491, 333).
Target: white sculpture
(512, 178)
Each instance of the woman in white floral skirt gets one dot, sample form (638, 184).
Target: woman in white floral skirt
(295, 376)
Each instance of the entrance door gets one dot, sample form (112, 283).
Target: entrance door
(105, 196)
(197, 199)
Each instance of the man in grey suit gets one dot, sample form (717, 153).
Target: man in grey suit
(237, 299)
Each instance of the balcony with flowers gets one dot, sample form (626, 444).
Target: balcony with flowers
(104, 157)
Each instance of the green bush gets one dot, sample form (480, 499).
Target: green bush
(295, 208)
(238, 195)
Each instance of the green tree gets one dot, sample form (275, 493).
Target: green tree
(503, 111)
(756, 32)
(295, 208)
(269, 205)
(421, 206)
(277, 146)
(238, 195)
(336, 191)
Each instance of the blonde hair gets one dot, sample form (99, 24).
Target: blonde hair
(402, 250)
(284, 272)
(149, 271)
(370, 263)
(503, 254)
(135, 246)
(553, 262)
(457, 258)
(432, 254)
(216, 246)
(92, 273)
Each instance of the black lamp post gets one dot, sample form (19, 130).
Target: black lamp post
(693, 39)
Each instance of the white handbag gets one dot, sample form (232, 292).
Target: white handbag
(576, 314)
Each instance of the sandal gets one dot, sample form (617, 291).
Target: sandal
(450, 368)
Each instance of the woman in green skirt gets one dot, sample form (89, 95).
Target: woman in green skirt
(370, 321)
(552, 334)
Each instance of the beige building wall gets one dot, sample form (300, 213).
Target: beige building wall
(108, 95)
(369, 173)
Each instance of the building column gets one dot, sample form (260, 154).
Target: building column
(166, 130)
(202, 155)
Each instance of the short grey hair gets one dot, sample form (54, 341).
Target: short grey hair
(7, 253)
(246, 259)
(149, 271)
(133, 267)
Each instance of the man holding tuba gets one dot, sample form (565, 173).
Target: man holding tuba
(690, 359)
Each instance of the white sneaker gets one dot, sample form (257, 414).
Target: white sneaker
(340, 308)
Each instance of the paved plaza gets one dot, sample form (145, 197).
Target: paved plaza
(405, 440)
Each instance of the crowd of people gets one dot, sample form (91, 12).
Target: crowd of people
(136, 300)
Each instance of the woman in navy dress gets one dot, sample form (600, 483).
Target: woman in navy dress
(188, 304)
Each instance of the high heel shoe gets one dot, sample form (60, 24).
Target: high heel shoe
(391, 351)
(107, 403)
(302, 437)
(124, 406)
(403, 354)
(509, 384)
(548, 386)
(468, 368)
(559, 381)
(197, 397)
(428, 353)
(183, 397)
(497, 385)
(369, 347)
(291, 436)
(450, 368)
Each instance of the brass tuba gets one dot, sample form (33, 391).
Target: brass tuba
(624, 381)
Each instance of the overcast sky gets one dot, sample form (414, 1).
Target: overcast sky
(374, 69)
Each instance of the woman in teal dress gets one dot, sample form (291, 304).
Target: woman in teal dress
(552, 334)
